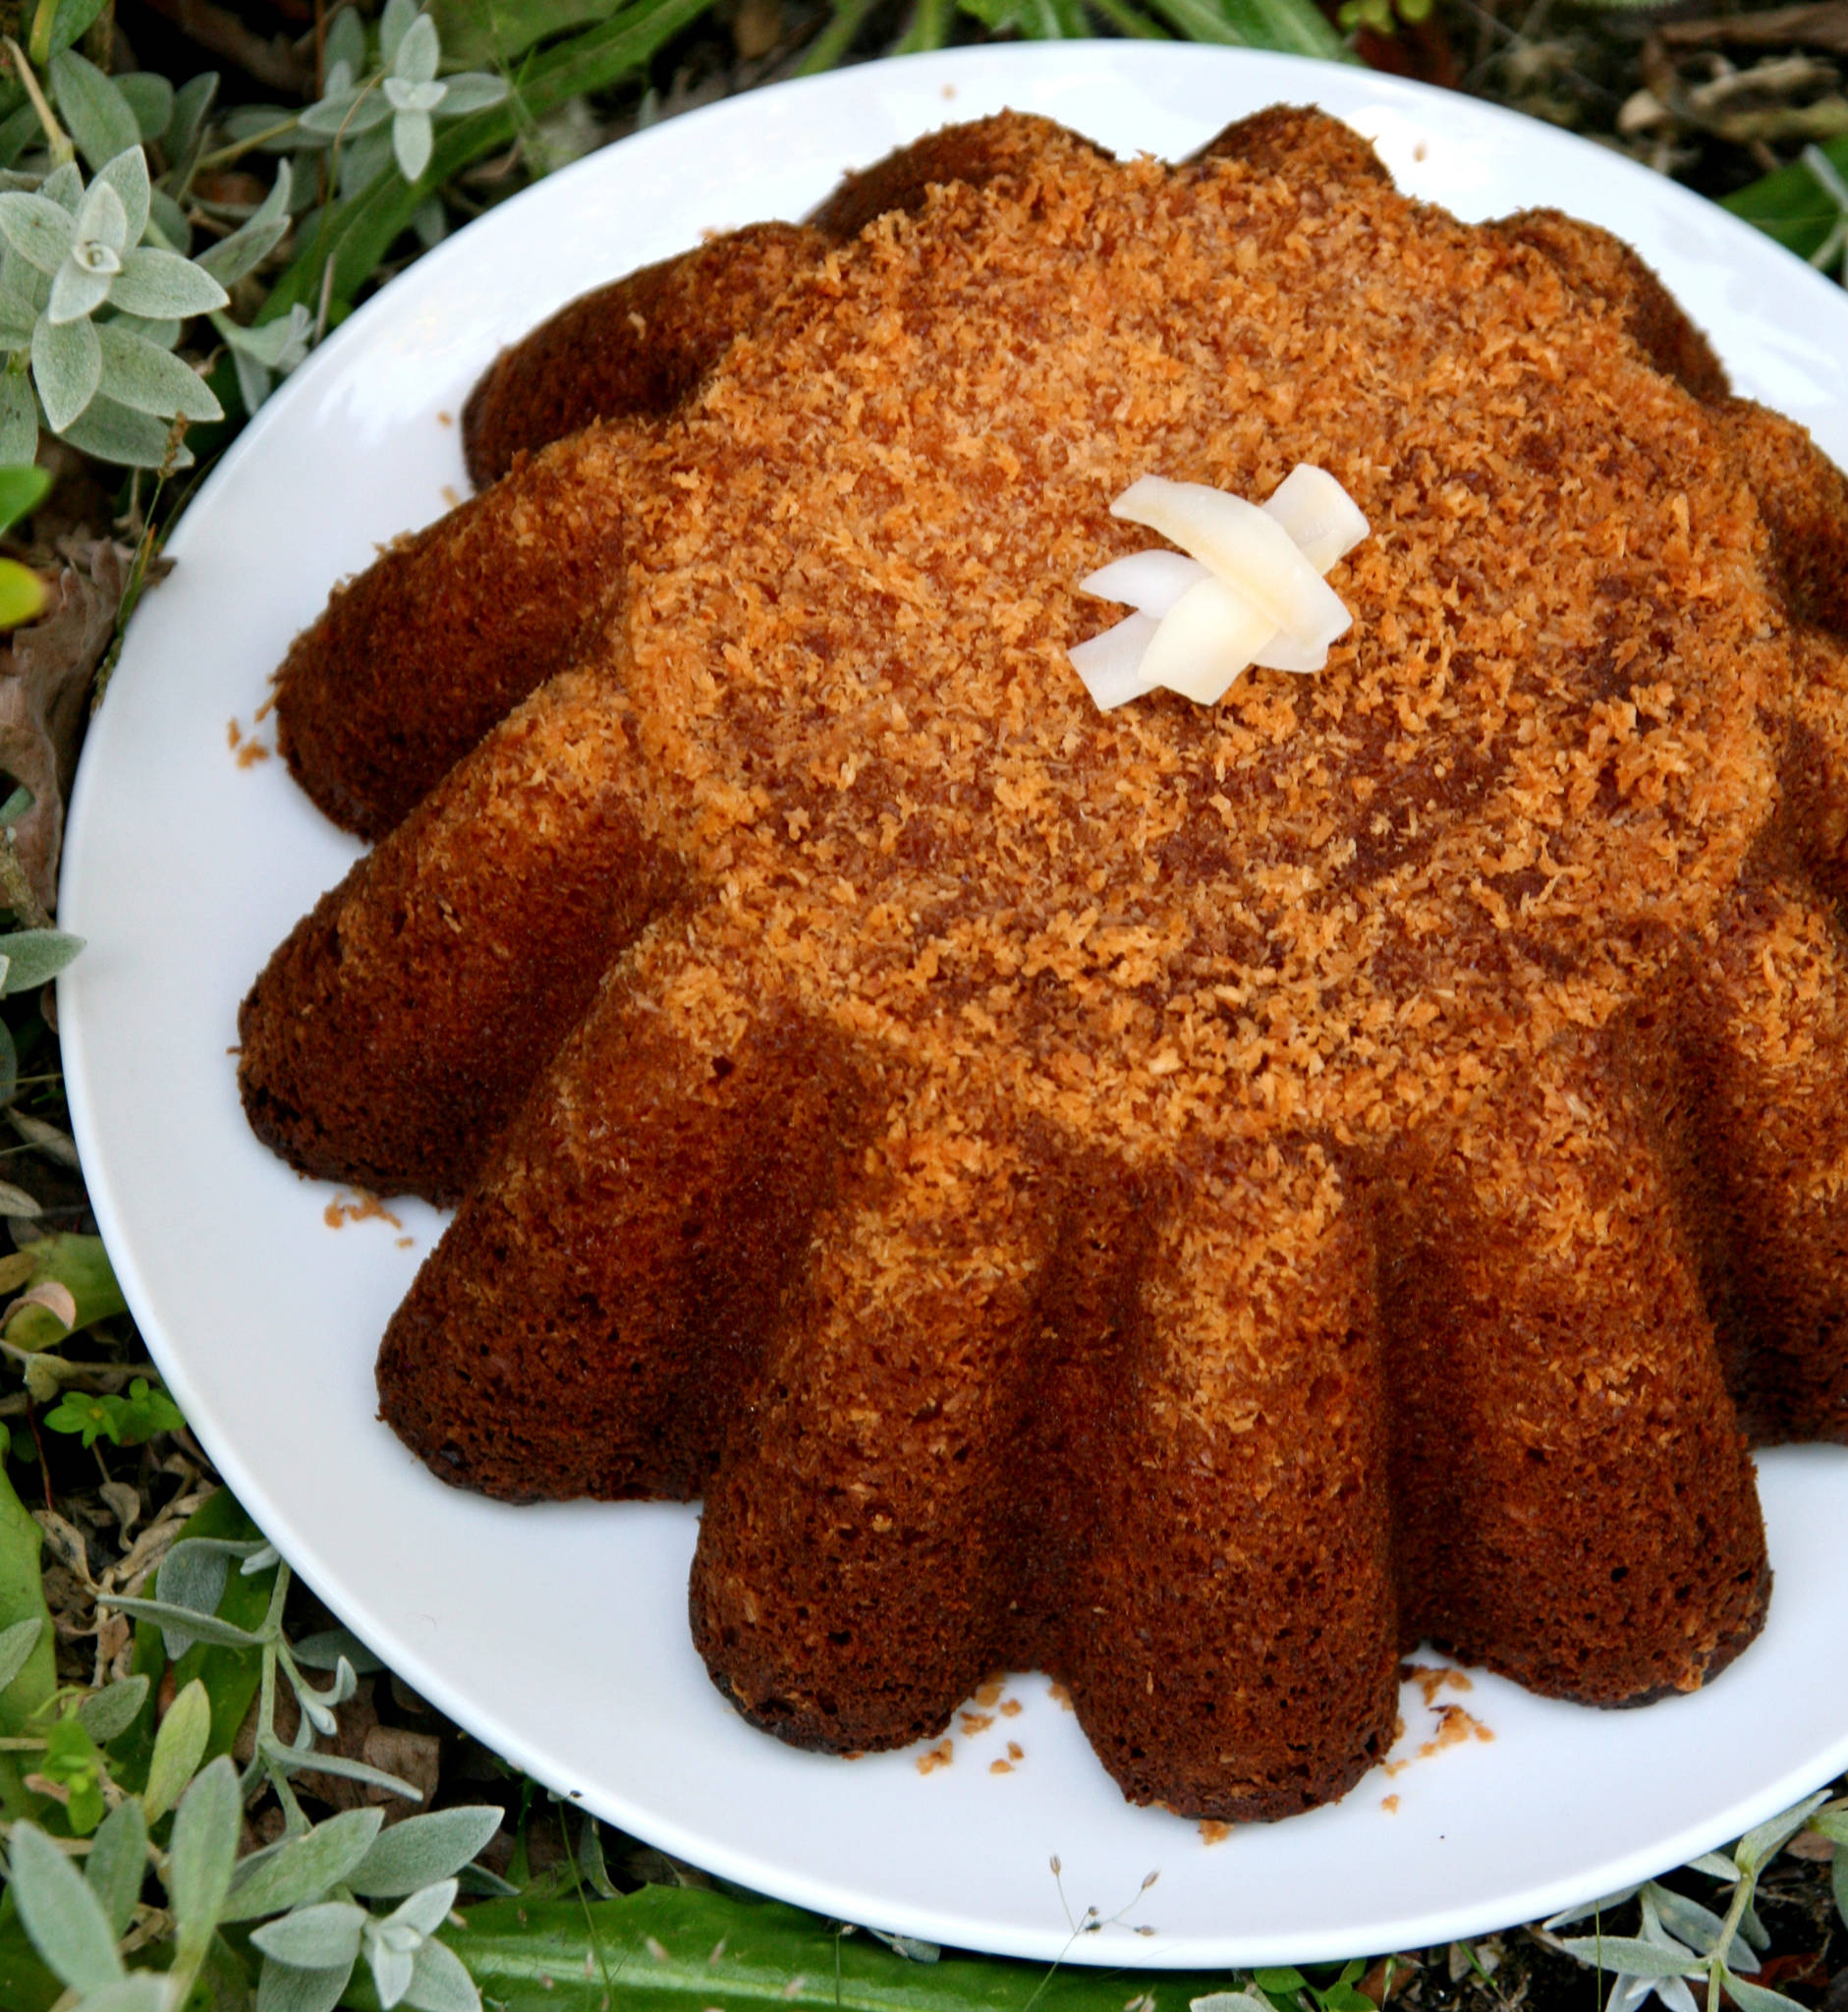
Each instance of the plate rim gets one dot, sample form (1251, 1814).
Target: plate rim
(1439, 1924)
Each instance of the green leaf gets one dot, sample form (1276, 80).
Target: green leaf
(179, 1749)
(102, 119)
(202, 1854)
(1839, 1883)
(66, 366)
(683, 1948)
(146, 379)
(472, 34)
(21, 490)
(73, 19)
(1791, 206)
(81, 1266)
(1631, 1956)
(17, 130)
(110, 1711)
(117, 1864)
(303, 1869)
(1295, 27)
(23, 598)
(62, 1916)
(74, 1759)
(40, 230)
(421, 1850)
(19, 418)
(150, 98)
(116, 432)
(23, 1598)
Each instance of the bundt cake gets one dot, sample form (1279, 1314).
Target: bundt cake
(1191, 1199)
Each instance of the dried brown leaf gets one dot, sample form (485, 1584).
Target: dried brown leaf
(45, 679)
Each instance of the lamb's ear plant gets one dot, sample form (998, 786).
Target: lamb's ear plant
(1688, 1956)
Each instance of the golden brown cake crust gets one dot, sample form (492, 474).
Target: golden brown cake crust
(1274, 1117)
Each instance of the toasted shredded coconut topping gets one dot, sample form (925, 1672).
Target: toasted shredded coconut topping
(1245, 589)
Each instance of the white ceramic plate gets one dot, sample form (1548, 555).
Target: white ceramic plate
(558, 1635)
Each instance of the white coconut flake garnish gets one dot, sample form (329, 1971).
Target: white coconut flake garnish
(1245, 589)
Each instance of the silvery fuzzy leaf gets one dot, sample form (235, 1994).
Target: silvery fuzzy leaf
(103, 222)
(424, 1912)
(417, 56)
(280, 1989)
(113, 1710)
(302, 1868)
(148, 379)
(162, 283)
(429, 222)
(127, 176)
(118, 1863)
(65, 187)
(343, 116)
(392, 1969)
(471, 90)
(17, 133)
(1698, 1925)
(1756, 1997)
(277, 345)
(1229, 2001)
(333, 1645)
(440, 1983)
(178, 1624)
(169, 219)
(1752, 1929)
(15, 333)
(393, 25)
(412, 138)
(17, 1643)
(66, 366)
(1832, 1823)
(179, 1747)
(1673, 1992)
(191, 103)
(203, 1853)
(1632, 1956)
(40, 230)
(16, 1202)
(1630, 1992)
(75, 293)
(144, 1991)
(132, 439)
(346, 41)
(102, 119)
(253, 380)
(318, 1938)
(413, 1855)
(364, 161)
(192, 1574)
(403, 96)
(62, 1916)
(271, 127)
(254, 239)
(1609, 1904)
(1716, 1865)
(162, 334)
(338, 1764)
(150, 97)
(1761, 1844)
